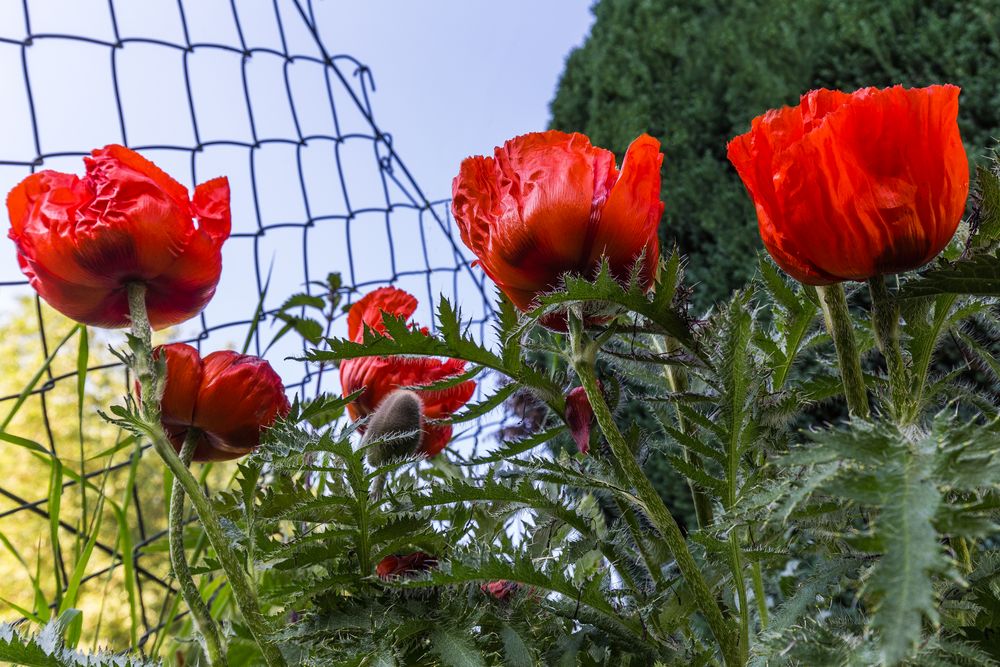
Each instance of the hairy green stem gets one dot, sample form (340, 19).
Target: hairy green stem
(759, 594)
(739, 583)
(964, 554)
(243, 591)
(885, 323)
(677, 380)
(211, 637)
(583, 357)
(838, 323)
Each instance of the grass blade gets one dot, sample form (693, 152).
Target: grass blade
(37, 376)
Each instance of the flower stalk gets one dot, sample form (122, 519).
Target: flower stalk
(760, 595)
(151, 384)
(212, 641)
(885, 323)
(838, 322)
(583, 357)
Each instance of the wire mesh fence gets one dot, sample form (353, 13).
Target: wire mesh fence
(245, 89)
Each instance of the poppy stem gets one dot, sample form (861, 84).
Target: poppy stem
(583, 357)
(760, 595)
(838, 322)
(212, 642)
(151, 383)
(885, 323)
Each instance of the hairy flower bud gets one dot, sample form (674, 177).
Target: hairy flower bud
(395, 431)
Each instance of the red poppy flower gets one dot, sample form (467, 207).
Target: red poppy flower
(501, 589)
(398, 566)
(548, 203)
(380, 376)
(81, 241)
(229, 397)
(851, 186)
(579, 415)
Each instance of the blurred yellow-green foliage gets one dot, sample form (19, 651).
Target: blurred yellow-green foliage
(31, 576)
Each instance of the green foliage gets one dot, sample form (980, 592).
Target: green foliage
(910, 491)
(323, 567)
(308, 315)
(977, 276)
(818, 539)
(658, 309)
(454, 342)
(32, 585)
(49, 647)
(694, 72)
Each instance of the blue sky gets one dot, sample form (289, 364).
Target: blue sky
(457, 78)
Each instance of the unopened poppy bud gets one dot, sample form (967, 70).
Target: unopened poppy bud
(501, 589)
(227, 398)
(579, 415)
(396, 430)
(391, 567)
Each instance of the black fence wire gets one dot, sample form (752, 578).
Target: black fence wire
(317, 187)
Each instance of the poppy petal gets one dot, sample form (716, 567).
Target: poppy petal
(367, 311)
(630, 217)
(550, 203)
(850, 186)
(238, 397)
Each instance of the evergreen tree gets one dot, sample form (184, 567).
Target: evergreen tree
(694, 72)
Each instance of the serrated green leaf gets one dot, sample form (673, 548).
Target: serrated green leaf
(515, 651)
(400, 339)
(975, 276)
(47, 649)
(303, 300)
(699, 476)
(912, 554)
(694, 444)
(525, 572)
(779, 288)
(448, 382)
(986, 217)
(658, 308)
(456, 650)
(477, 410)
(734, 369)
(796, 605)
(310, 329)
(523, 494)
(509, 449)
